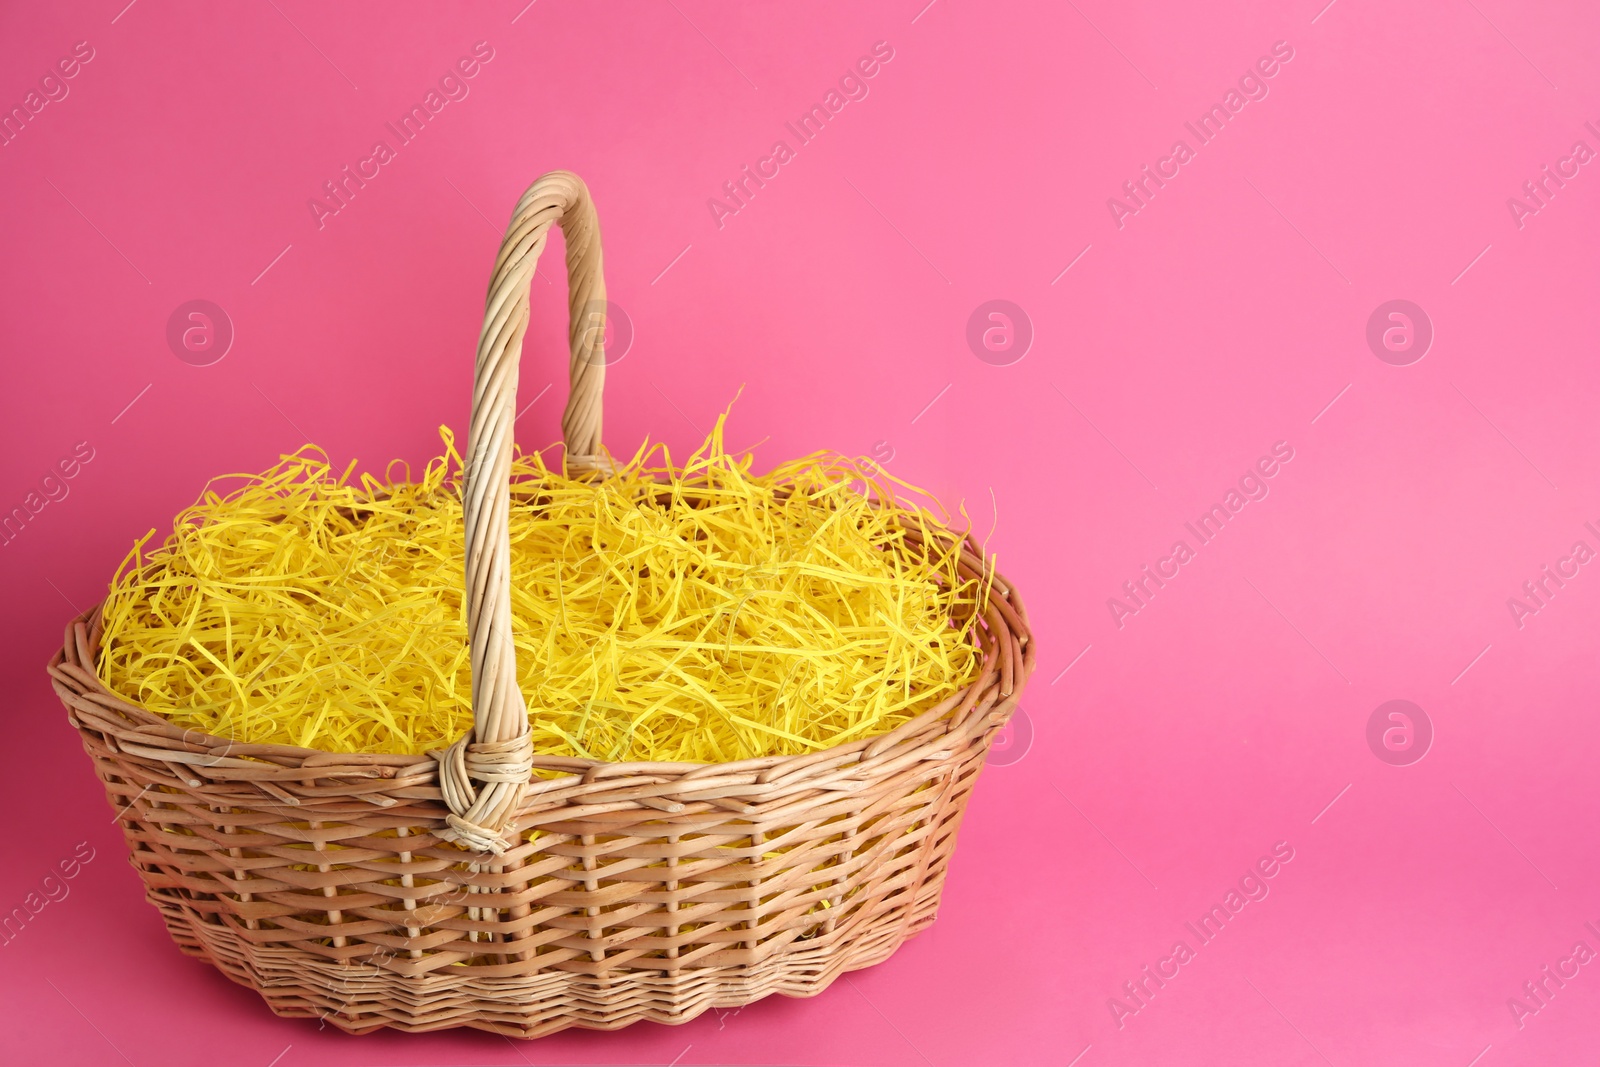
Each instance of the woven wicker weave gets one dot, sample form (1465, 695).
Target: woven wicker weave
(409, 892)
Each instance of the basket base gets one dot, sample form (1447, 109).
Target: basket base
(360, 999)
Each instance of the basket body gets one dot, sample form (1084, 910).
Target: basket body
(634, 891)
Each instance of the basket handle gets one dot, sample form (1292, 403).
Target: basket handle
(484, 773)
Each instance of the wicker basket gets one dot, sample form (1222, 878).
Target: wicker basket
(402, 891)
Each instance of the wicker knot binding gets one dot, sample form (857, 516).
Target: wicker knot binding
(600, 465)
(334, 883)
(502, 766)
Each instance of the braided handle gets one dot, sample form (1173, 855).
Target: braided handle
(483, 774)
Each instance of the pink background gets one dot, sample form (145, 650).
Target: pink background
(1223, 317)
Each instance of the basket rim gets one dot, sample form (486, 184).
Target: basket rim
(1016, 644)
(84, 630)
